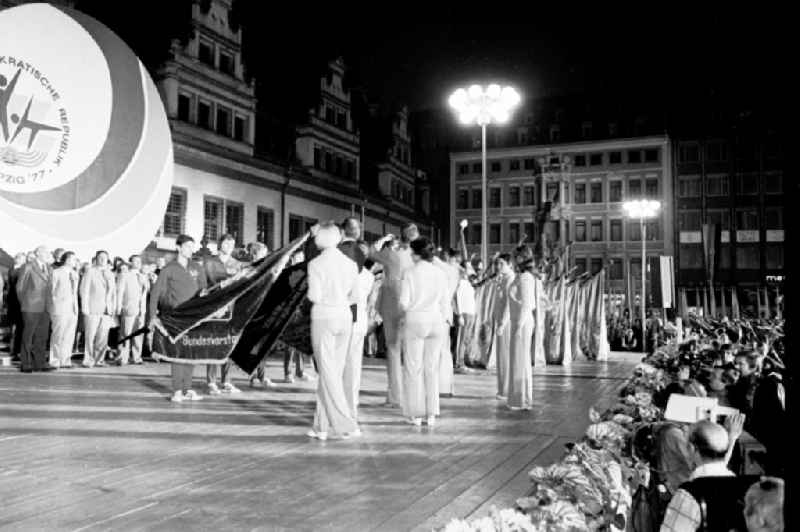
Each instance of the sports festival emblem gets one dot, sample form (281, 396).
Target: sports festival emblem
(85, 146)
(32, 125)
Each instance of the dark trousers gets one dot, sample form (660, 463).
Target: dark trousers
(214, 370)
(288, 355)
(454, 339)
(16, 345)
(36, 327)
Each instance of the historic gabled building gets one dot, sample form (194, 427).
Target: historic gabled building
(220, 186)
(329, 145)
(402, 185)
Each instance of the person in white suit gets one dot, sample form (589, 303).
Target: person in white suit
(452, 275)
(132, 288)
(98, 306)
(355, 349)
(63, 307)
(502, 320)
(332, 288)
(522, 300)
(424, 301)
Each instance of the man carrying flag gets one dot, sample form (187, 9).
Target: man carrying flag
(179, 281)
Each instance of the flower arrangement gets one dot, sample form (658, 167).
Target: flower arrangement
(505, 520)
(591, 487)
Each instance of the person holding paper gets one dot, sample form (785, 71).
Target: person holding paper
(709, 500)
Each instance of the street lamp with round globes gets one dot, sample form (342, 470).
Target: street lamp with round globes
(642, 209)
(476, 105)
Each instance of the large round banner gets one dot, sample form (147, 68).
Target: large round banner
(85, 147)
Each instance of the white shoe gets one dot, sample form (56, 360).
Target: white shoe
(356, 433)
(431, 421)
(177, 397)
(192, 395)
(318, 435)
(500, 397)
(307, 378)
(230, 388)
(268, 383)
(416, 421)
(213, 389)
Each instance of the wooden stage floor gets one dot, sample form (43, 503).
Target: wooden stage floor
(104, 449)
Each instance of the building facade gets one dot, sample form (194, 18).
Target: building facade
(735, 180)
(587, 182)
(220, 186)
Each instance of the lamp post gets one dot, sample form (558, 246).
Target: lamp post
(477, 105)
(642, 209)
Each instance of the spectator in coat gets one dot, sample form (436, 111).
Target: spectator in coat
(98, 307)
(63, 306)
(14, 311)
(132, 288)
(33, 292)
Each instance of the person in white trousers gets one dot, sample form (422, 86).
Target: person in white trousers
(355, 348)
(446, 380)
(394, 262)
(332, 288)
(98, 305)
(521, 306)
(502, 318)
(63, 307)
(132, 288)
(423, 299)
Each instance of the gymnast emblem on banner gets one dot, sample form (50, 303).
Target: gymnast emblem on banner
(32, 122)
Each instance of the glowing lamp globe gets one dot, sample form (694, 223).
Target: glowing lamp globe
(641, 208)
(484, 106)
(85, 148)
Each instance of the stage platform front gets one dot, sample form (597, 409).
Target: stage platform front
(104, 449)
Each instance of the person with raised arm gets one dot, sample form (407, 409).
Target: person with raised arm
(394, 262)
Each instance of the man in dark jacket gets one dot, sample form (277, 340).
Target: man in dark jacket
(32, 289)
(179, 281)
(14, 311)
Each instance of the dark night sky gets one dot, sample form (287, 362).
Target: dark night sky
(649, 54)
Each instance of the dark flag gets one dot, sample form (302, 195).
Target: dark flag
(209, 328)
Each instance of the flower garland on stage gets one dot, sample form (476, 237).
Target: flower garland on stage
(592, 487)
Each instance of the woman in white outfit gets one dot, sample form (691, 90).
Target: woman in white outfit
(355, 349)
(423, 299)
(63, 307)
(332, 288)
(502, 320)
(521, 304)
